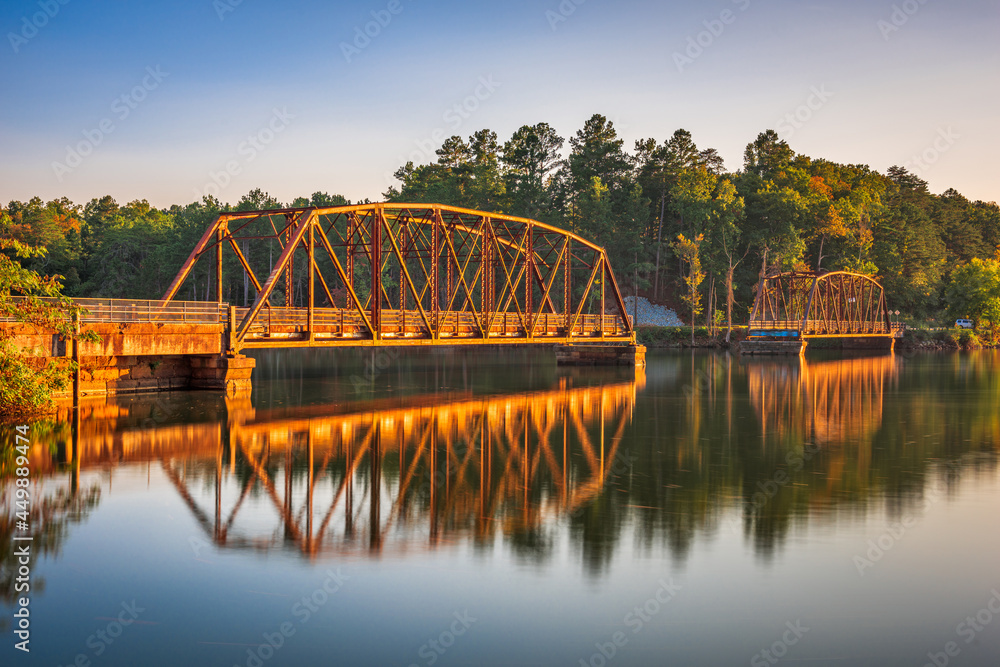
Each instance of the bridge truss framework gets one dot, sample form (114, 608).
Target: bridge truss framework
(821, 305)
(408, 274)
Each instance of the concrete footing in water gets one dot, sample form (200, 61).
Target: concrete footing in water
(601, 355)
(796, 346)
(771, 346)
(228, 374)
(860, 343)
(129, 374)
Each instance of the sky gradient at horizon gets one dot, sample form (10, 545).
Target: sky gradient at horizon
(174, 101)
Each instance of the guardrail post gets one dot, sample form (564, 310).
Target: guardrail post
(230, 330)
(76, 359)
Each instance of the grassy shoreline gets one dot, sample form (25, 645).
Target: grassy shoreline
(913, 339)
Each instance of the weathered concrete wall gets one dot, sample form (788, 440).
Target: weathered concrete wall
(130, 374)
(127, 340)
(601, 355)
(108, 376)
(141, 357)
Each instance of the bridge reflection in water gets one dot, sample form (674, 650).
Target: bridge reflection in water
(388, 476)
(824, 402)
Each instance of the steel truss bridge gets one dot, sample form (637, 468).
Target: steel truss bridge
(836, 304)
(403, 274)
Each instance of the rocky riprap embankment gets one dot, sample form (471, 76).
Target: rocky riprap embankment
(650, 315)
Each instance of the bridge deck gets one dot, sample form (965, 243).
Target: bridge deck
(337, 326)
(824, 329)
(341, 327)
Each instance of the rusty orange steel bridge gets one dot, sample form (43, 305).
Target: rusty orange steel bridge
(406, 274)
(351, 276)
(791, 308)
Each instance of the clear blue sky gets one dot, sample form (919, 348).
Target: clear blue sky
(162, 95)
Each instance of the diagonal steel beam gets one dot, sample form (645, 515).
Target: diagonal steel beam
(343, 277)
(406, 272)
(194, 257)
(303, 222)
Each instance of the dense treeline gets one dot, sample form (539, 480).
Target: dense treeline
(675, 222)
(780, 211)
(107, 250)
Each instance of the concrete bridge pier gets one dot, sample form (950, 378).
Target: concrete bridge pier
(790, 346)
(101, 376)
(601, 355)
(869, 343)
(230, 374)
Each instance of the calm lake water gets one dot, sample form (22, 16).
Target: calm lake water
(489, 508)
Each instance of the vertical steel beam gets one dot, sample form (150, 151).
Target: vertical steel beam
(568, 285)
(350, 259)
(376, 259)
(311, 249)
(451, 264)
(219, 237)
(484, 261)
(435, 272)
(529, 256)
(402, 275)
(491, 235)
(289, 269)
(604, 280)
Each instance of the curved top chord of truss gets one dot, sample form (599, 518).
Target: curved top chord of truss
(405, 274)
(830, 304)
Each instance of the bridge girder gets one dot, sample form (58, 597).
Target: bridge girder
(407, 274)
(832, 304)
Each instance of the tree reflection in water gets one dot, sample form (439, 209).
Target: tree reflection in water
(56, 503)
